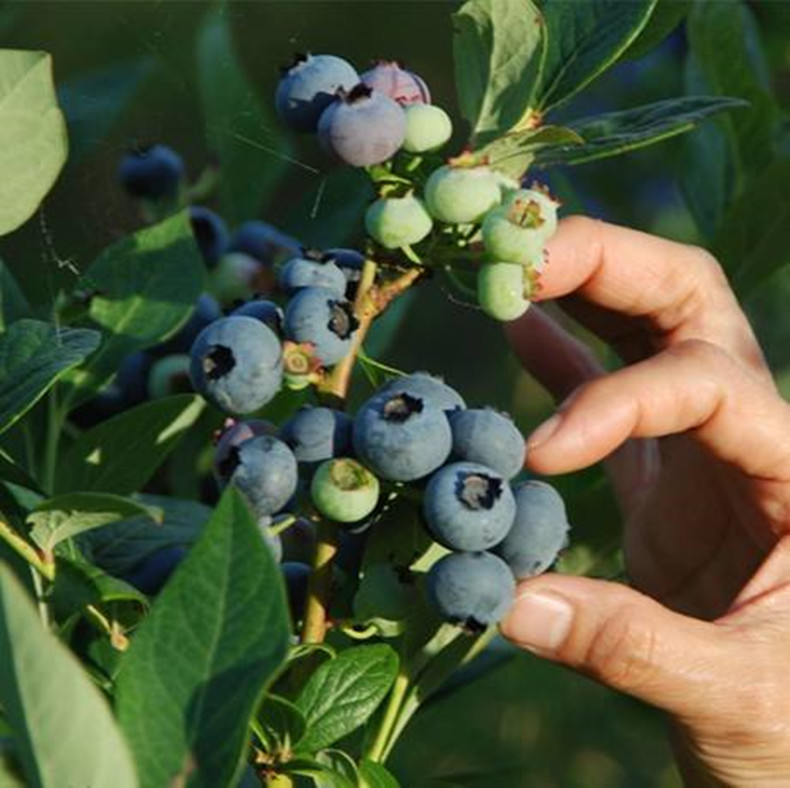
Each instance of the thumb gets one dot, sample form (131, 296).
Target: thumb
(623, 639)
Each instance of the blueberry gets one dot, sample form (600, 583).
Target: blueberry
(309, 86)
(272, 541)
(169, 375)
(237, 276)
(350, 262)
(539, 532)
(206, 311)
(462, 195)
(398, 221)
(427, 128)
(264, 242)
(318, 434)
(468, 506)
(264, 470)
(404, 86)
(325, 320)
(503, 290)
(428, 387)
(131, 380)
(211, 233)
(488, 438)
(474, 590)
(232, 437)
(363, 128)
(536, 203)
(311, 270)
(298, 539)
(401, 437)
(237, 364)
(151, 574)
(151, 172)
(267, 312)
(344, 490)
(297, 577)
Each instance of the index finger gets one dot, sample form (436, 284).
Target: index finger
(680, 291)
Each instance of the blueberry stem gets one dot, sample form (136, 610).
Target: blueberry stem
(44, 565)
(400, 689)
(319, 585)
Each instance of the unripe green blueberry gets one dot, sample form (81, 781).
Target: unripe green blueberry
(509, 238)
(427, 127)
(461, 195)
(398, 221)
(533, 208)
(238, 276)
(343, 490)
(501, 290)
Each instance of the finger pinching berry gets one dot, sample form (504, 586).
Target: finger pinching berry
(502, 290)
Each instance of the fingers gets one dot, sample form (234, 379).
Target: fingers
(692, 386)
(679, 291)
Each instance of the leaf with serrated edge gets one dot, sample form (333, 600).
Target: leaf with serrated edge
(198, 664)
(63, 728)
(344, 692)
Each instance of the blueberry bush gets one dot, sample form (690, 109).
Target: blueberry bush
(236, 546)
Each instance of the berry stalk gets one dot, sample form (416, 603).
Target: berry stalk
(319, 585)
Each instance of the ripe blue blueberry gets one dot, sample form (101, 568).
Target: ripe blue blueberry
(318, 434)
(231, 438)
(539, 532)
(211, 233)
(267, 312)
(462, 195)
(296, 576)
(169, 375)
(344, 490)
(311, 269)
(131, 381)
(428, 387)
(350, 262)
(151, 574)
(398, 221)
(468, 506)
(206, 311)
(264, 242)
(298, 539)
(238, 276)
(309, 86)
(474, 590)
(489, 438)
(264, 470)
(404, 86)
(151, 172)
(363, 127)
(272, 541)
(237, 364)
(325, 320)
(401, 437)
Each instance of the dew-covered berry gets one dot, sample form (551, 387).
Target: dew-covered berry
(460, 194)
(398, 221)
(400, 84)
(489, 438)
(344, 490)
(502, 290)
(428, 127)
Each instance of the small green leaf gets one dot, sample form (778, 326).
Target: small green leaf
(63, 728)
(614, 133)
(374, 775)
(253, 152)
(13, 304)
(584, 40)
(145, 288)
(279, 724)
(198, 664)
(499, 49)
(33, 141)
(66, 516)
(666, 16)
(121, 454)
(33, 355)
(343, 693)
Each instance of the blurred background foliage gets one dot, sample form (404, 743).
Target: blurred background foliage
(201, 80)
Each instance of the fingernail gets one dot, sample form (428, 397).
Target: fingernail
(544, 432)
(539, 621)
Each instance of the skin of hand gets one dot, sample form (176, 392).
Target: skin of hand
(696, 440)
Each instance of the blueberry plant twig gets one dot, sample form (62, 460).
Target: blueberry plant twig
(319, 585)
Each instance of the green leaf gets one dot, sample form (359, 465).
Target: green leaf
(755, 238)
(63, 729)
(499, 48)
(198, 664)
(13, 304)
(279, 724)
(343, 693)
(33, 355)
(33, 141)
(374, 775)
(513, 153)
(93, 102)
(614, 133)
(66, 516)
(666, 16)
(121, 454)
(584, 40)
(253, 151)
(145, 288)
(120, 546)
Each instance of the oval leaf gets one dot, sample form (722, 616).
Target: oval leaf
(63, 729)
(343, 693)
(191, 679)
(33, 141)
(374, 775)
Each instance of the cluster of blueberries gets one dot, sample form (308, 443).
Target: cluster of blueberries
(417, 431)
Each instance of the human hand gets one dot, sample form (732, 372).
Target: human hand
(696, 439)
